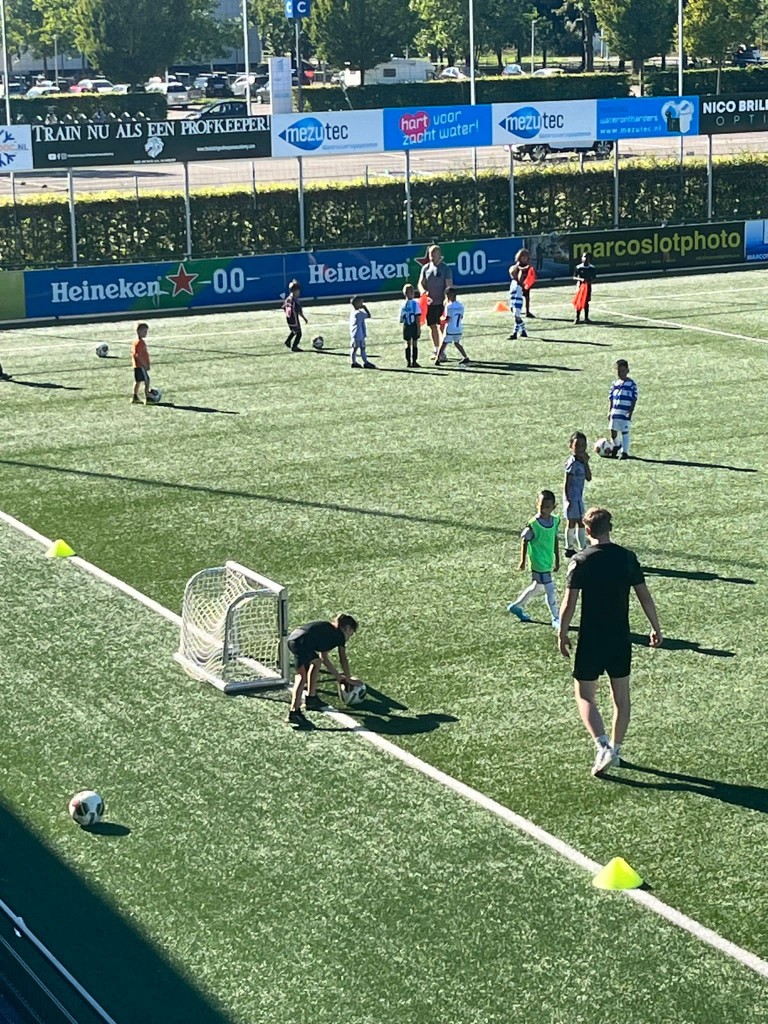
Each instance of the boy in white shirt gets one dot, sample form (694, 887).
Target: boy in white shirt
(410, 317)
(453, 330)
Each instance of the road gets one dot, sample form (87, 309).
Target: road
(134, 180)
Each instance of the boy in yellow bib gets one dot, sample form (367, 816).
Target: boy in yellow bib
(541, 548)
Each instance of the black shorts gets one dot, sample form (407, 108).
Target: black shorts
(434, 313)
(411, 332)
(302, 656)
(597, 655)
(140, 375)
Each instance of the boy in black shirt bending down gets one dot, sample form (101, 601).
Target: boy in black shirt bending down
(309, 646)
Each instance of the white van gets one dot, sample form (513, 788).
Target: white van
(398, 69)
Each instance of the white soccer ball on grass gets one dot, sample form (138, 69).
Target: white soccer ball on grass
(353, 692)
(604, 447)
(86, 808)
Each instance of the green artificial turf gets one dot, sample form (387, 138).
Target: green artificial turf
(280, 878)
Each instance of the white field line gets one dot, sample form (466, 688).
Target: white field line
(569, 853)
(620, 313)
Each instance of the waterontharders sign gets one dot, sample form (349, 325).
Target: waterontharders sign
(150, 142)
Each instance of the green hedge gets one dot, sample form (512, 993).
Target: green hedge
(231, 221)
(499, 89)
(703, 82)
(153, 104)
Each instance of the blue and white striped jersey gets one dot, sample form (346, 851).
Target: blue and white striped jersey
(410, 312)
(623, 395)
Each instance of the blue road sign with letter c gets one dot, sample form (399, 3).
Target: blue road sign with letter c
(297, 8)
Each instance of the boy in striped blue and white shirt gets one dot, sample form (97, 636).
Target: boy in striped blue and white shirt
(622, 400)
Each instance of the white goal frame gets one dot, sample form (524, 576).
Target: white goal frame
(225, 660)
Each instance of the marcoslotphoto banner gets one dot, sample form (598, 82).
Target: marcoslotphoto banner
(150, 142)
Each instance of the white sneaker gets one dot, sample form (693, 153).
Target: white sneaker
(555, 624)
(603, 759)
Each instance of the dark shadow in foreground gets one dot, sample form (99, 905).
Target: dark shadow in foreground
(704, 577)
(753, 798)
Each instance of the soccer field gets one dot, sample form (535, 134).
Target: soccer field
(256, 875)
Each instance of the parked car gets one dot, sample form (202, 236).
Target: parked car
(513, 69)
(454, 74)
(92, 85)
(15, 88)
(42, 89)
(224, 108)
(239, 86)
(217, 87)
(602, 148)
(538, 151)
(548, 73)
(746, 55)
(176, 94)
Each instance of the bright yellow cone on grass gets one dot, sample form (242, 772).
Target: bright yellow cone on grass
(617, 874)
(501, 307)
(60, 549)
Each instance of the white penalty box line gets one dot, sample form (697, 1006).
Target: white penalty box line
(699, 931)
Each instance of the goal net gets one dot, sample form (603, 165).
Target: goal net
(233, 629)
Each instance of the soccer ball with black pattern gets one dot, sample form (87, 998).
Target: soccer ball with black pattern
(354, 694)
(86, 808)
(102, 350)
(318, 342)
(155, 396)
(604, 448)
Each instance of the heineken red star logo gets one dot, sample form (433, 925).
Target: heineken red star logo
(181, 281)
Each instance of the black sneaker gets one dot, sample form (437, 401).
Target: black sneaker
(416, 366)
(356, 366)
(369, 366)
(313, 703)
(570, 552)
(464, 361)
(297, 718)
(295, 349)
(529, 315)
(623, 457)
(287, 344)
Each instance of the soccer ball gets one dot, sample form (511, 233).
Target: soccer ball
(86, 808)
(155, 395)
(354, 694)
(318, 342)
(604, 447)
(102, 350)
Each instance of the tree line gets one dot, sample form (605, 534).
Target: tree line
(131, 41)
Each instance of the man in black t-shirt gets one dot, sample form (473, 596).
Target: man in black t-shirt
(309, 646)
(604, 573)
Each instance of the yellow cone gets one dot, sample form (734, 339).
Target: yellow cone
(501, 307)
(60, 549)
(617, 874)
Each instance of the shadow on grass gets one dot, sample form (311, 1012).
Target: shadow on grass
(118, 966)
(674, 644)
(268, 499)
(693, 465)
(704, 577)
(380, 713)
(47, 385)
(753, 798)
(195, 408)
(503, 368)
(573, 341)
(108, 828)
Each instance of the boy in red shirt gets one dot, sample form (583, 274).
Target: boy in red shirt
(140, 362)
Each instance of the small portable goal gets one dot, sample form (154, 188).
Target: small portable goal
(234, 624)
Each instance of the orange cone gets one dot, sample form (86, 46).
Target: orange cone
(501, 307)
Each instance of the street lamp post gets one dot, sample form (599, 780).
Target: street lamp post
(533, 42)
(472, 97)
(247, 58)
(55, 60)
(6, 83)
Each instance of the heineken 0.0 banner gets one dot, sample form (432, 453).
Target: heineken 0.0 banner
(151, 142)
(245, 280)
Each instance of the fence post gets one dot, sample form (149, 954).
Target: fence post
(511, 193)
(72, 216)
(302, 213)
(408, 205)
(709, 179)
(616, 184)
(187, 213)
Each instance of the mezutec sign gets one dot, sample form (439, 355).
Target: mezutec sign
(15, 148)
(328, 134)
(744, 113)
(566, 121)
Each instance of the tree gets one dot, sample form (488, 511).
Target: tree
(209, 37)
(130, 41)
(638, 29)
(714, 30)
(580, 19)
(275, 30)
(444, 28)
(362, 33)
